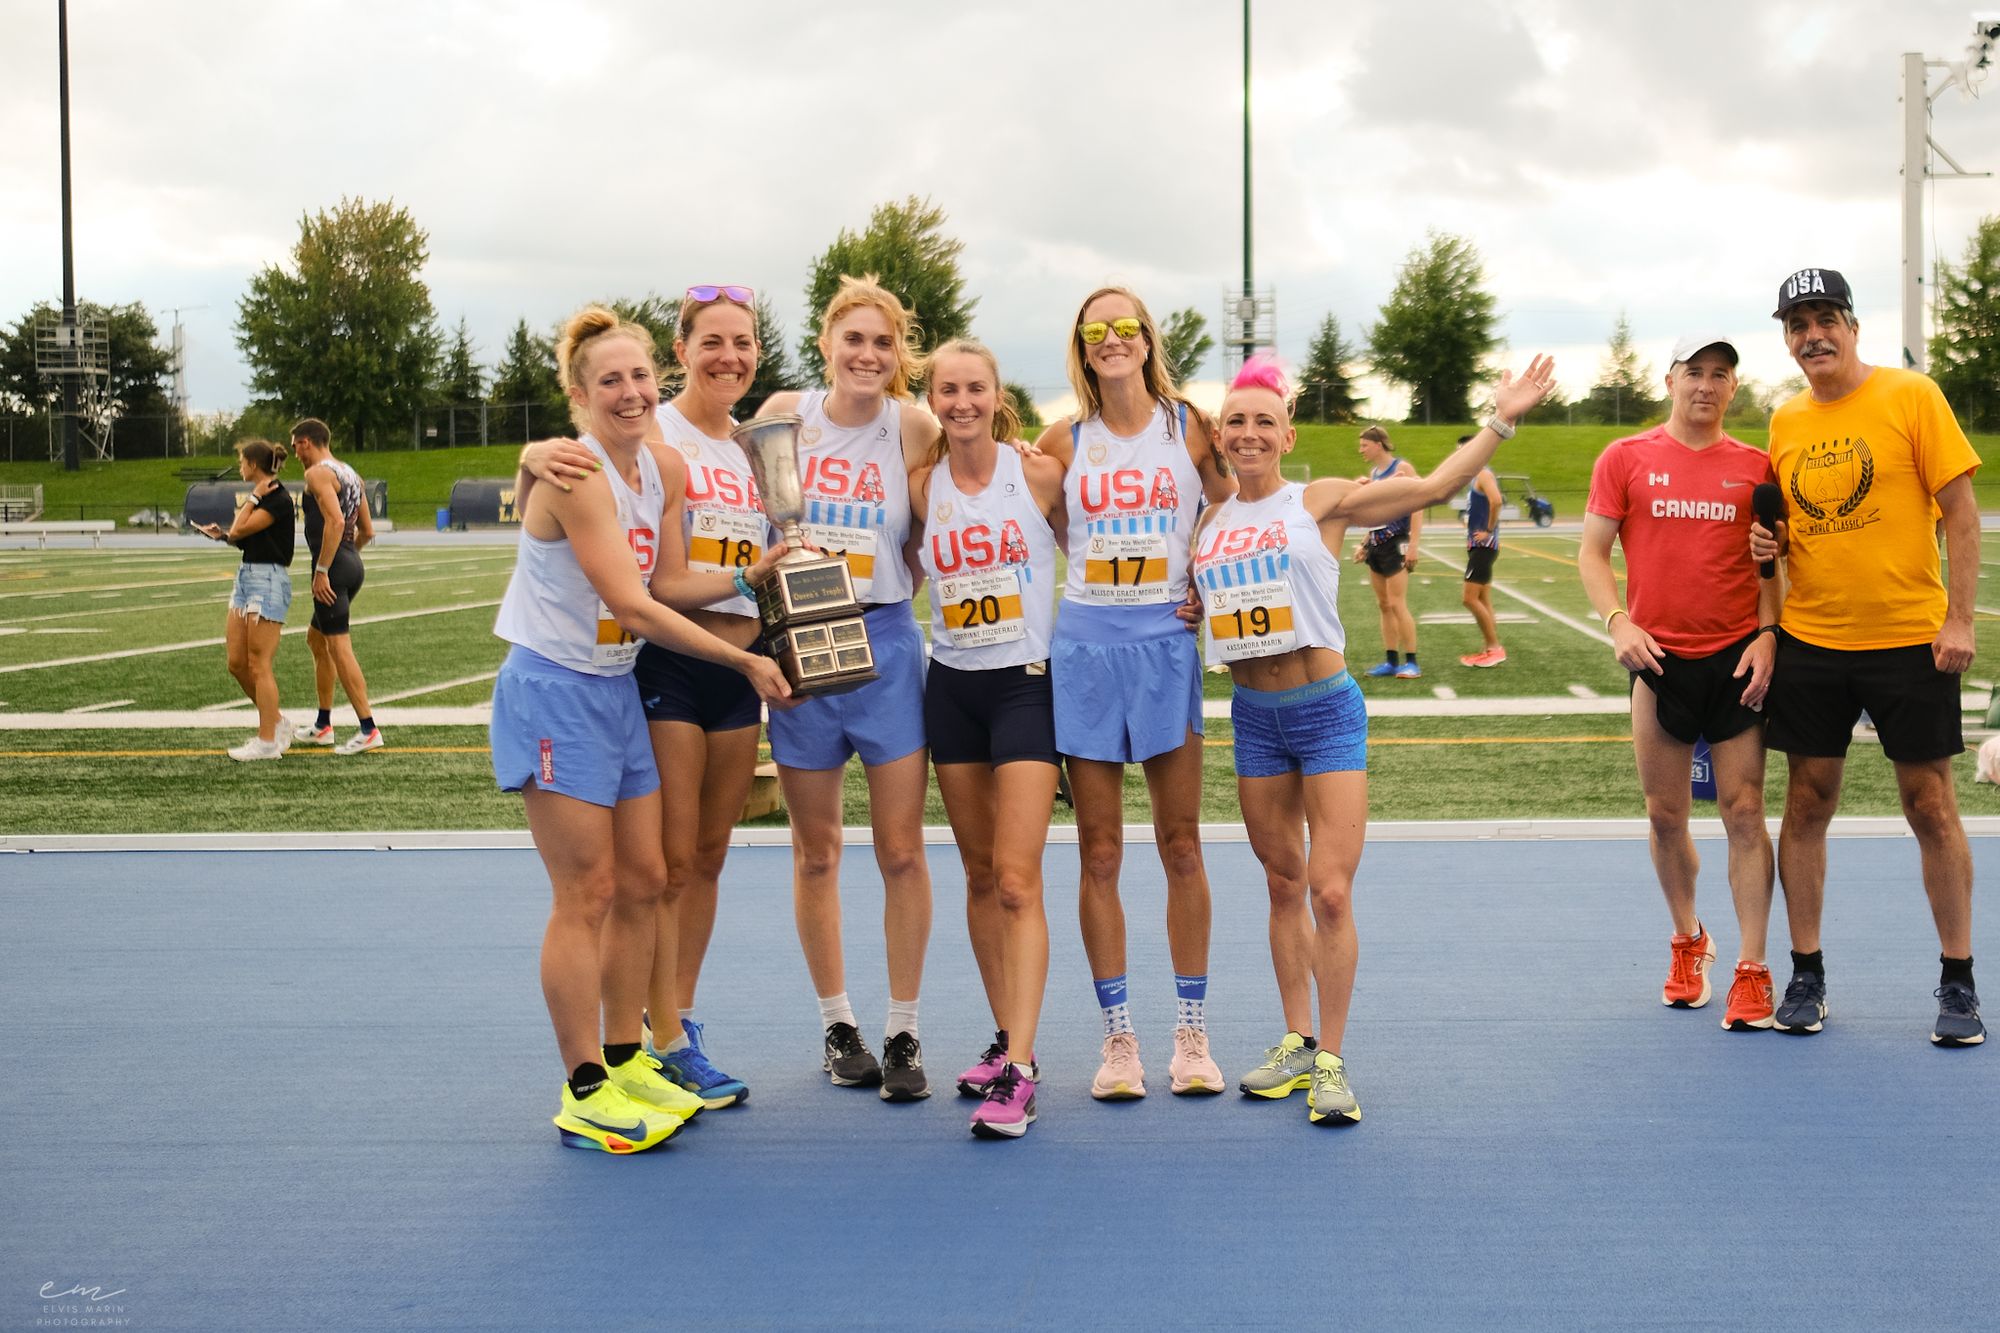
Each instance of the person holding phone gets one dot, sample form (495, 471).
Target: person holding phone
(265, 529)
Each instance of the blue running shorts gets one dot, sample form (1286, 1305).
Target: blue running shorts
(569, 732)
(1127, 682)
(882, 721)
(1316, 728)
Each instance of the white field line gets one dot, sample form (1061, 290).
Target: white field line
(1587, 630)
(373, 699)
(477, 715)
(204, 602)
(217, 643)
(98, 708)
(226, 577)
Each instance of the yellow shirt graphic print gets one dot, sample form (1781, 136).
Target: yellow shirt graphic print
(1859, 474)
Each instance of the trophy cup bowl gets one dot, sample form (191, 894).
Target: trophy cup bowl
(813, 625)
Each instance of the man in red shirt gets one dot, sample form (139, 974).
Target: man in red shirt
(1700, 634)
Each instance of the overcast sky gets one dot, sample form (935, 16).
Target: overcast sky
(1674, 162)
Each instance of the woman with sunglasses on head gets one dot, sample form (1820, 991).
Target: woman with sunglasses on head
(989, 551)
(570, 736)
(860, 439)
(1267, 567)
(1127, 673)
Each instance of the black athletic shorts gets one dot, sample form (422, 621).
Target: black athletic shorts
(676, 688)
(1698, 698)
(996, 716)
(1386, 558)
(1818, 694)
(345, 574)
(1479, 563)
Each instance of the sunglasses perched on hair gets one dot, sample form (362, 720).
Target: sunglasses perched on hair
(1093, 332)
(708, 292)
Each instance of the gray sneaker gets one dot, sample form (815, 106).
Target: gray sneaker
(1329, 1098)
(1803, 1009)
(1958, 1016)
(1287, 1067)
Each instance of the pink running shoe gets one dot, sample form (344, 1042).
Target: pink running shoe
(1120, 1077)
(972, 1083)
(1191, 1069)
(1009, 1107)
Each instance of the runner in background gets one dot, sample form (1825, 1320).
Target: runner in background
(338, 525)
(1390, 552)
(1482, 549)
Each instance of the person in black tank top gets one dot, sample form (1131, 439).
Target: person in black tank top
(338, 525)
(1390, 553)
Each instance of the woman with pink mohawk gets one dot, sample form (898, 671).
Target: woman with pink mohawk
(1267, 569)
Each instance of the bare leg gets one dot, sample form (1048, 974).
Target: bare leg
(1930, 803)
(812, 796)
(1027, 793)
(1663, 778)
(1337, 816)
(263, 646)
(341, 648)
(1739, 792)
(971, 803)
(323, 672)
(1099, 791)
(1174, 780)
(1812, 795)
(1274, 813)
(896, 812)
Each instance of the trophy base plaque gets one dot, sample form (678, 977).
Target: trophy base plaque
(814, 629)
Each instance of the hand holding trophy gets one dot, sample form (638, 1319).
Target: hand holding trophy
(812, 623)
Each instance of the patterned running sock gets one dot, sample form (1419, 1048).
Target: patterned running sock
(1111, 999)
(1190, 994)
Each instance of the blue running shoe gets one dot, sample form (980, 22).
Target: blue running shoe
(1958, 1016)
(1409, 671)
(692, 1071)
(1380, 669)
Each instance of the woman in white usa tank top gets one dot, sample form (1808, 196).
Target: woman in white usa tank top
(1267, 566)
(568, 734)
(861, 438)
(988, 546)
(1127, 675)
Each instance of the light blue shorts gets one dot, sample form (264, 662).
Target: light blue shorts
(569, 732)
(262, 590)
(1127, 682)
(881, 721)
(1316, 728)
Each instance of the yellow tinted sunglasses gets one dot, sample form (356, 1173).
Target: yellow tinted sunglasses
(1093, 332)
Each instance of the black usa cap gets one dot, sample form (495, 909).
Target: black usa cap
(1813, 284)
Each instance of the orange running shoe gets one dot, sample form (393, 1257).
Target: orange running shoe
(1750, 1002)
(1687, 971)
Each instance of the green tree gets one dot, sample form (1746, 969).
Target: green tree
(1436, 329)
(1326, 388)
(133, 391)
(1625, 390)
(905, 247)
(1965, 353)
(461, 379)
(525, 384)
(1185, 344)
(658, 315)
(348, 332)
(1024, 406)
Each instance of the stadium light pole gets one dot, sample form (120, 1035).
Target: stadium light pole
(69, 330)
(1246, 306)
(1918, 98)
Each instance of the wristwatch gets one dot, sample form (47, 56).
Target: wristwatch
(322, 569)
(1501, 428)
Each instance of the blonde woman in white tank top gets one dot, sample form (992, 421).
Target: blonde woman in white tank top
(867, 340)
(593, 813)
(988, 520)
(1121, 382)
(1314, 764)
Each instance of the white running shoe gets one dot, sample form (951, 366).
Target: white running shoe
(311, 735)
(257, 748)
(359, 741)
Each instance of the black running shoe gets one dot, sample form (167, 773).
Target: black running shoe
(1804, 1007)
(903, 1070)
(1958, 1016)
(849, 1062)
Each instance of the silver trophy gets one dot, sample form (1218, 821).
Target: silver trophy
(812, 622)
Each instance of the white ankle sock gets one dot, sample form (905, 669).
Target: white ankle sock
(835, 1009)
(902, 1018)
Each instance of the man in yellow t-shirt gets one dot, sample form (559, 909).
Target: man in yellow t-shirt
(1870, 460)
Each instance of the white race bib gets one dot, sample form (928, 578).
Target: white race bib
(983, 609)
(725, 540)
(1125, 568)
(1254, 620)
(854, 545)
(614, 647)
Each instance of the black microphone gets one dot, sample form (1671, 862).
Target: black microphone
(1767, 502)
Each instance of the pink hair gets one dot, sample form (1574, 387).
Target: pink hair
(1263, 371)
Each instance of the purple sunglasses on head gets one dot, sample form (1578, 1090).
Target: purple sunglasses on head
(706, 293)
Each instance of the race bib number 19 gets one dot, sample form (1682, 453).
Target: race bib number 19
(1251, 621)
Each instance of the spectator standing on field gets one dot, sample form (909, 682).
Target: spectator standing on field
(337, 526)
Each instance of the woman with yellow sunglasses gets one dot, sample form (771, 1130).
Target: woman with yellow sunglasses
(1126, 671)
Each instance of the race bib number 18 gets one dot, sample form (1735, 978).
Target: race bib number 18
(725, 541)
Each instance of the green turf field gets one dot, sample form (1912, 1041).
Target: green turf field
(102, 633)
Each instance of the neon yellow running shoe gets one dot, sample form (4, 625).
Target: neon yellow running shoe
(640, 1079)
(609, 1121)
(1329, 1098)
(1287, 1067)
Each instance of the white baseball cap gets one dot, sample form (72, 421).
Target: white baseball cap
(1693, 343)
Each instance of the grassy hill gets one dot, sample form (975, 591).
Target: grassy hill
(1557, 458)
